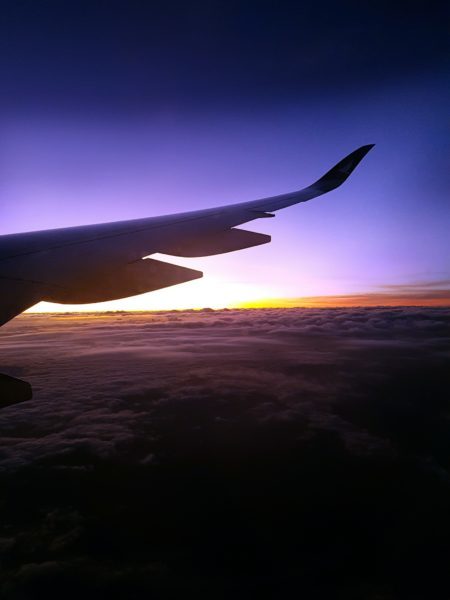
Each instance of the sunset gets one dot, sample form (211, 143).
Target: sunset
(224, 300)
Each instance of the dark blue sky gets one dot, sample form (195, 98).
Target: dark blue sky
(114, 110)
(138, 55)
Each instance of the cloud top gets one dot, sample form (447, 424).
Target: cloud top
(227, 453)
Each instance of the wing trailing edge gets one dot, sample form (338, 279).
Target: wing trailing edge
(145, 275)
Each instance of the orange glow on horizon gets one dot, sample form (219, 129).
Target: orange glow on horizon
(440, 298)
(349, 301)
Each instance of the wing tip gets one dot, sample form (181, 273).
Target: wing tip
(343, 169)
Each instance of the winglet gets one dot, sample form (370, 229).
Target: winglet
(340, 172)
(331, 180)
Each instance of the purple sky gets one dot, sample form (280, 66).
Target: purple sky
(388, 224)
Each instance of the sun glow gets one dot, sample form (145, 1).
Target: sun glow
(218, 294)
(202, 293)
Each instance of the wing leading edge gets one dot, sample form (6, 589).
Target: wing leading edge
(103, 262)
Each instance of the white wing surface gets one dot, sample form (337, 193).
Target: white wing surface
(95, 263)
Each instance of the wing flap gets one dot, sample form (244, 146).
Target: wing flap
(216, 243)
(135, 278)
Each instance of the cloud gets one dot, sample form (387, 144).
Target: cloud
(437, 284)
(103, 383)
(226, 450)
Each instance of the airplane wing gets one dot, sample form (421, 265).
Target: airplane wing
(95, 263)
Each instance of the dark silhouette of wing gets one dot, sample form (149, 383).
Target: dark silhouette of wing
(101, 262)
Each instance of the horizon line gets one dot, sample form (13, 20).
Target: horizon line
(435, 299)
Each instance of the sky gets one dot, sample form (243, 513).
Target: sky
(120, 110)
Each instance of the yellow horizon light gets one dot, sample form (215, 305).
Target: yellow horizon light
(197, 294)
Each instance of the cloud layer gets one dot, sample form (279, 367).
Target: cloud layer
(227, 452)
